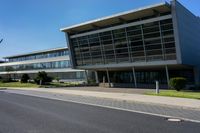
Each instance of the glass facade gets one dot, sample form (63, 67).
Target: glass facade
(35, 66)
(62, 75)
(146, 42)
(51, 54)
(146, 76)
(68, 75)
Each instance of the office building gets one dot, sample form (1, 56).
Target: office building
(138, 47)
(55, 62)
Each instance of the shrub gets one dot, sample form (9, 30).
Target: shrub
(177, 83)
(25, 78)
(42, 78)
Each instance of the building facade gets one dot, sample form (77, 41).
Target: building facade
(55, 62)
(138, 47)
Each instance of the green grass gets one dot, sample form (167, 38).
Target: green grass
(174, 93)
(32, 85)
(18, 84)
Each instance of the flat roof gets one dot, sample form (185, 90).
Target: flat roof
(117, 18)
(36, 52)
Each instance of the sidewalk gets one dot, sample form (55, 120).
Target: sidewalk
(160, 100)
(166, 107)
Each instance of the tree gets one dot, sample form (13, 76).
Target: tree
(42, 78)
(25, 78)
(177, 83)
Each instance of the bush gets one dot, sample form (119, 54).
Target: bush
(25, 78)
(177, 83)
(42, 78)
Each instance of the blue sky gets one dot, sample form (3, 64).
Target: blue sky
(29, 25)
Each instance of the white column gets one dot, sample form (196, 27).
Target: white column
(167, 75)
(96, 77)
(134, 77)
(86, 75)
(108, 77)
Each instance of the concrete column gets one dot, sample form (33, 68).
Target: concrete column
(86, 75)
(167, 75)
(96, 77)
(134, 77)
(71, 53)
(108, 77)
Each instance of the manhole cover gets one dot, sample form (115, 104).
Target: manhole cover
(174, 120)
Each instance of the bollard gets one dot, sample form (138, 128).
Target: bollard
(40, 82)
(103, 81)
(157, 87)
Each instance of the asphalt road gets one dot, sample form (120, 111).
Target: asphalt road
(27, 114)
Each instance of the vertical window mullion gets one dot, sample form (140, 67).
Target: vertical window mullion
(89, 49)
(113, 43)
(161, 39)
(80, 51)
(102, 49)
(141, 27)
(127, 42)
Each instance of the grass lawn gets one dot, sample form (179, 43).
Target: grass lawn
(18, 84)
(32, 85)
(174, 93)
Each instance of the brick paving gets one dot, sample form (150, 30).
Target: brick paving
(104, 89)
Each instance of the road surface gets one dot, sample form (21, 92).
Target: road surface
(28, 114)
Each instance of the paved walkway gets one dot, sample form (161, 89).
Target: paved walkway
(186, 109)
(123, 96)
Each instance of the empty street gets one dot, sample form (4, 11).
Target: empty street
(27, 114)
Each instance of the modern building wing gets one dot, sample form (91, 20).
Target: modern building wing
(137, 47)
(55, 62)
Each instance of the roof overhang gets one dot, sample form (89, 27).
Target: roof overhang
(119, 18)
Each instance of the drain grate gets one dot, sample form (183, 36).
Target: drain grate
(174, 120)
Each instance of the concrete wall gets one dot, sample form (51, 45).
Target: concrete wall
(188, 26)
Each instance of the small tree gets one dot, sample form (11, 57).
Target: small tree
(177, 83)
(42, 78)
(25, 78)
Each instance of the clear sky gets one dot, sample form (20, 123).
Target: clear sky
(29, 25)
